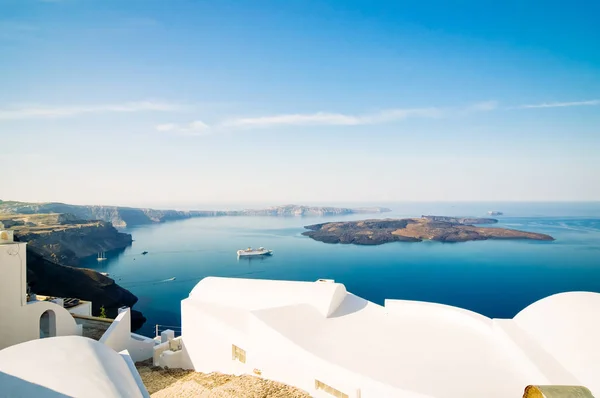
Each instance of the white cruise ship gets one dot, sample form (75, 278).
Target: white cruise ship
(261, 251)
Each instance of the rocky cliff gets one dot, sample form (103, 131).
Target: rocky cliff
(377, 232)
(129, 216)
(48, 278)
(65, 240)
(56, 243)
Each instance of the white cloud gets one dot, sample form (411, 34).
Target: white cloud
(332, 119)
(167, 127)
(561, 104)
(294, 119)
(325, 119)
(37, 112)
(196, 127)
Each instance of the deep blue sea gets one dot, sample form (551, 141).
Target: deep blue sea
(494, 278)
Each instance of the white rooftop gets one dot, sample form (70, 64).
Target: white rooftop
(70, 366)
(425, 348)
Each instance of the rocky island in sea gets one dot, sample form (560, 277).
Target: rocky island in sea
(56, 243)
(437, 228)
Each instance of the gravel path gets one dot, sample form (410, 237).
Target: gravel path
(163, 383)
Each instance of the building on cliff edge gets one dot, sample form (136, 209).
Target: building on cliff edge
(329, 342)
(42, 350)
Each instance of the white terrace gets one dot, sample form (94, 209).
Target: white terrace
(319, 337)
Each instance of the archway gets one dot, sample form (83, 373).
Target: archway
(47, 324)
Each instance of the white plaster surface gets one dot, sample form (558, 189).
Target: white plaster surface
(567, 326)
(70, 366)
(118, 336)
(20, 320)
(84, 308)
(292, 334)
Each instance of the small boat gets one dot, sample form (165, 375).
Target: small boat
(144, 253)
(261, 251)
(101, 256)
(104, 273)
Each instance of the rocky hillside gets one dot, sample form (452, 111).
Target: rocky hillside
(57, 243)
(64, 239)
(129, 216)
(377, 232)
(52, 279)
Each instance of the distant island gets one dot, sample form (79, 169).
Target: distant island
(437, 228)
(461, 220)
(130, 216)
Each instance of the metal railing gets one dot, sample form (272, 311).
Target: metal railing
(158, 329)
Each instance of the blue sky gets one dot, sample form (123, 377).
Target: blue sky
(181, 102)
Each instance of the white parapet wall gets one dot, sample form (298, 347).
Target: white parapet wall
(118, 336)
(84, 308)
(172, 353)
(134, 373)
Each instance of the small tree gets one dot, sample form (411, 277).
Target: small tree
(102, 312)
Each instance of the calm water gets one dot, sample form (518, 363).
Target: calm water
(495, 278)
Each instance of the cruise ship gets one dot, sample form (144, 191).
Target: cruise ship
(261, 251)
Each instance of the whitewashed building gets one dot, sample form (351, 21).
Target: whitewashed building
(42, 352)
(319, 337)
(24, 320)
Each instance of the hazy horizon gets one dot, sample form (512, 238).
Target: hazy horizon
(238, 205)
(140, 103)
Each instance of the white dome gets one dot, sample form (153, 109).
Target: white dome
(71, 366)
(567, 325)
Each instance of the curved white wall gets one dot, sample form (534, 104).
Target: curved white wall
(422, 309)
(65, 366)
(567, 325)
(251, 294)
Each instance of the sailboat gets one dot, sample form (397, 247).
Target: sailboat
(101, 256)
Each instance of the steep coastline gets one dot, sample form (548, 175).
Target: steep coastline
(65, 240)
(121, 217)
(48, 278)
(377, 232)
(55, 245)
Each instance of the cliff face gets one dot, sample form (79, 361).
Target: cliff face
(48, 278)
(57, 241)
(68, 240)
(129, 216)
